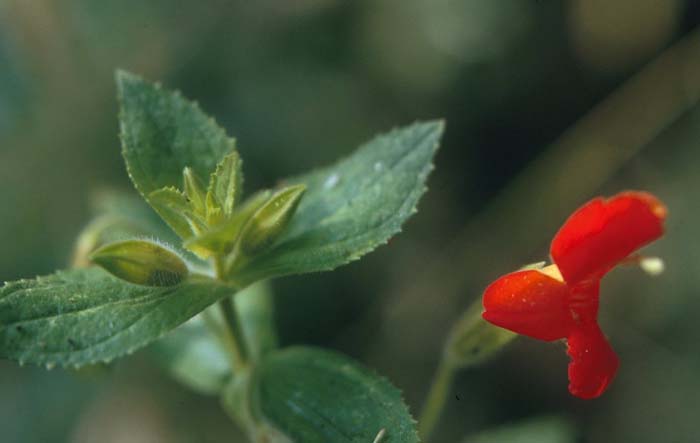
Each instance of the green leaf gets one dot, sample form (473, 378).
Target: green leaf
(141, 262)
(317, 396)
(162, 133)
(85, 316)
(255, 307)
(194, 355)
(351, 208)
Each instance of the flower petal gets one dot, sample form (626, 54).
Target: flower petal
(529, 303)
(593, 362)
(584, 299)
(603, 232)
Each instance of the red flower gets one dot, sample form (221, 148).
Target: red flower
(560, 301)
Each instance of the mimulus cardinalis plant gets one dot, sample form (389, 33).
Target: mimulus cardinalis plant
(560, 301)
(180, 273)
(182, 268)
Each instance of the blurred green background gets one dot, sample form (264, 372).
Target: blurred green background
(547, 104)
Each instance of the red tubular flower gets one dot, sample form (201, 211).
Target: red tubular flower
(560, 301)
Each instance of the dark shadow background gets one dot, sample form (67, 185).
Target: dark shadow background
(546, 103)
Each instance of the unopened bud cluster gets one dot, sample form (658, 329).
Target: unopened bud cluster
(212, 223)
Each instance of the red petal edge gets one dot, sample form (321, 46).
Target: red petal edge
(601, 233)
(593, 362)
(529, 303)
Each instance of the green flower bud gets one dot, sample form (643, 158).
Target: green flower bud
(141, 262)
(473, 340)
(270, 220)
(222, 238)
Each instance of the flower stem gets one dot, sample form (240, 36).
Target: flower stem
(233, 336)
(435, 402)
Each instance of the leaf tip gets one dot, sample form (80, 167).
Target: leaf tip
(124, 78)
(435, 126)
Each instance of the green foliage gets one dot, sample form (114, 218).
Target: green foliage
(315, 222)
(172, 206)
(316, 396)
(119, 216)
(162, 134)
(129, 217)
(194, 354)
(142, 219)
(354, 206)
(255, 306)
(348, 210)
(84, 316)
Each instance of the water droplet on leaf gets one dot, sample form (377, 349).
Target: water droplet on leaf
(331, 181)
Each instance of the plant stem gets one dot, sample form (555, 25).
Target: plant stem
(233, 334)
(442, 380)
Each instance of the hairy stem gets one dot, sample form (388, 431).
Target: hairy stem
(233, 336)
(435, 402)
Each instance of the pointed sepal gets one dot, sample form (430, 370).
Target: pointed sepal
(194, 191)
(225, 185)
